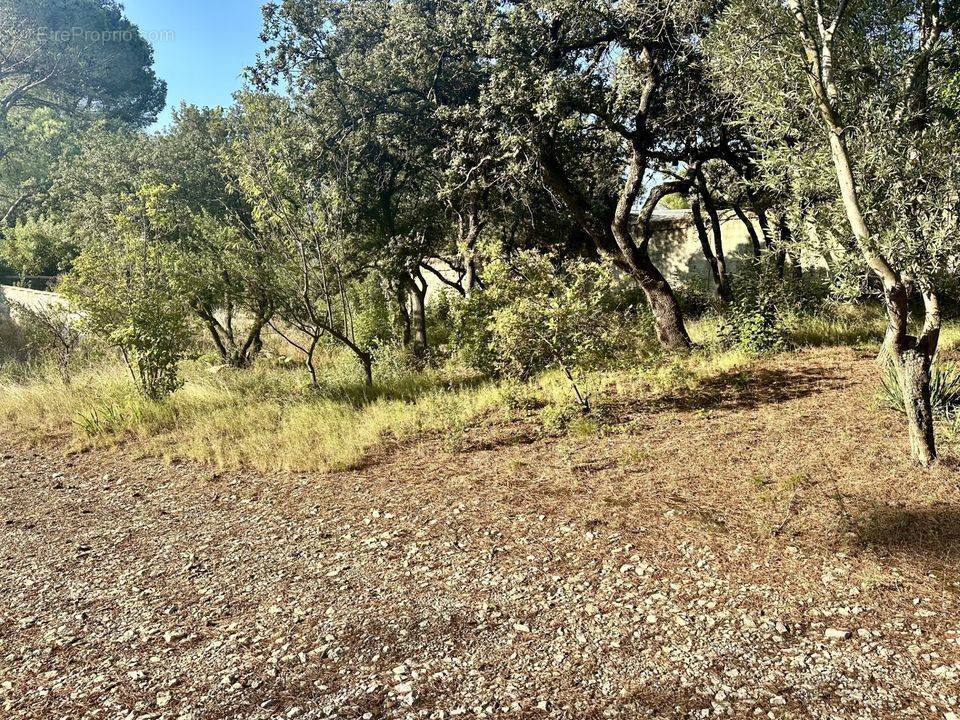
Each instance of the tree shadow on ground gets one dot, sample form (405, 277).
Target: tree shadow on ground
(933, 531)
(407, 390)
(746, 389)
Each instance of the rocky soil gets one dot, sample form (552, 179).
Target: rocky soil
(761, 548)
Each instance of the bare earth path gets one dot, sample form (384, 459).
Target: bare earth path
(760, 548)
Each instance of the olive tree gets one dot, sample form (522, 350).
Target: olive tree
(227, 277)
(600, 100)
(367, 78)
(848, 105)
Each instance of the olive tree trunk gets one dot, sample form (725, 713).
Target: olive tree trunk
(913, 369)
(911, 357)
(711, 259)
(667, 317)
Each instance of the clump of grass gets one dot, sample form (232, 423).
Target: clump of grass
(838, 324)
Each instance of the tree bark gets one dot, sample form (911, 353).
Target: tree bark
(701, 227)
(469, 273)
(613, 236)
(784, 239)
(367, 362)
(911, 357)
(914, 375)
(667, 317)
(417, 294)
(232, 352)
(751, 230)
(723, 278)
(403, 315)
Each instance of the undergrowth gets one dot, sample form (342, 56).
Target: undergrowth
(268, 418)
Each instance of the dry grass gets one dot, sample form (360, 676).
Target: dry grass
(268, 418)
(264, 418)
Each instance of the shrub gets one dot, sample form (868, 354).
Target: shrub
(538, 314)
(14, 346)
(373, 321)
(36, 246)
(755, 319)
(395, 360)
(53, 330)
(125, 287)
(471, 338)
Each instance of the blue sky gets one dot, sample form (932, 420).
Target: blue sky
(200, 46)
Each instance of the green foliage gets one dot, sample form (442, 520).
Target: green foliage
(32, 143)
(373, 321)
(944, 390)
(755, 319)
(125, 286)
(567, 417)
(77, 54)
(304, 237)
(676, 201)
(899, 134)
(537, 314)
(471, 340)
(63, 65)
(37, 246)
(104, 420)
(394, 360)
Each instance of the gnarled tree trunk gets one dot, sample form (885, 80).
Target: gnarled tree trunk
(911, 357)
(913, 369)
(721, 275)
(751, 230)
(417, 297)
(667, 317)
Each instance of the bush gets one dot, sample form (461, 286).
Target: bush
(394, 360)
(755, 319)
(125, 287)
(52, 330)
(373, 320)
(36, 246)
(538, 314)
(14, 345)
(471, 337)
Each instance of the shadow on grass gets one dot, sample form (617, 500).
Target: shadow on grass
(405, 389)
(748, 389)
(934, 531)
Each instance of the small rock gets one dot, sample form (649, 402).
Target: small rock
(835, 634)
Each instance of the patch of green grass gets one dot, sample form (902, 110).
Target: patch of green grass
(944, 390)
(841, 324)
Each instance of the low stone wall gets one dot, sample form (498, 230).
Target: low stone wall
(11, 295)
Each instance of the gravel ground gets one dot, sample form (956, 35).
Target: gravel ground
(727, 570)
